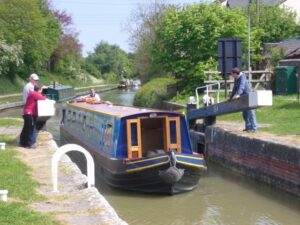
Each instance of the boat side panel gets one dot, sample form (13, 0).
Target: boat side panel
(97, 129)
(122, 140)
(186, 146)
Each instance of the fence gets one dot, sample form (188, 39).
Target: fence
(257, 79)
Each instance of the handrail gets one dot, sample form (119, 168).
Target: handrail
(207, 91)
(67, 148)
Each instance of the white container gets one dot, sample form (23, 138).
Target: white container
(46, 109)
(260, 98)
(2, 145)
(3, 195)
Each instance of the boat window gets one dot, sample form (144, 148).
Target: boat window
(84, 123)
(91, 126)
(74, 117)
(79, 118)
(173, 131)
(108, 137)
(134, 137)
(69, 115)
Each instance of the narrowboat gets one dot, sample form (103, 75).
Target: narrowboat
(144, 150)
(122, 85)
(59, 93)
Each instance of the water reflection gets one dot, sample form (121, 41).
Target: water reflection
(119, 96)
(221, 198)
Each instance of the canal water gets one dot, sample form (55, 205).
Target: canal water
(222, 198)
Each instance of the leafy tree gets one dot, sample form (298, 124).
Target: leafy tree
(273, 24)
(110, 59)
(9, 56)
(276, 23)
(66, 58)
(186, 42)
(153, 93)
(91, 69)
(30, 23)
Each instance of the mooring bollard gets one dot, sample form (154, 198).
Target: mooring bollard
(2, 145)
(3, 195)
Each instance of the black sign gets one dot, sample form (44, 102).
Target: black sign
(229, 55)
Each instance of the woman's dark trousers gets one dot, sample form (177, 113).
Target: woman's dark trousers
(27, 131)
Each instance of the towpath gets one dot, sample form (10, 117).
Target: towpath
(289, 140)
(73, 204)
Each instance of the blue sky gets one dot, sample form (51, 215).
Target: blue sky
(97, 20)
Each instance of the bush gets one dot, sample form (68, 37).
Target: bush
(8, 86)
(153, 93)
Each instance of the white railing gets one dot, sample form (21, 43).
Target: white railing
(207, 87)
(67, 148)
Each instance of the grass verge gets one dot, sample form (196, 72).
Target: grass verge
(282, 118)
(4, 122)
(15, 178)
(11, 99)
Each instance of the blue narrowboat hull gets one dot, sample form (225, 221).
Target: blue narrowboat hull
(141, 175)
(155, 159)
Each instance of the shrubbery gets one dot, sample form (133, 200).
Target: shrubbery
(153, 93)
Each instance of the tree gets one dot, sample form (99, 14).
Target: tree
(276, 23)
(29, 23)
(9, 56)
(186, 42)
(110, 59)
(66, 58)
(144, 23)
(273, 25)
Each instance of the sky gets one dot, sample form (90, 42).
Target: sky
(103, 20)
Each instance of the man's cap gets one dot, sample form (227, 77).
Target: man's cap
(34, 77)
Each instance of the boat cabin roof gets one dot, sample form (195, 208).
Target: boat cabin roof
(116, 110)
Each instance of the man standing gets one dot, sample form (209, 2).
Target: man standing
(27, 138)
(241, 87)
(33, 80)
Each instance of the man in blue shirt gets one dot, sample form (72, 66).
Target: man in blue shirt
(241, 87)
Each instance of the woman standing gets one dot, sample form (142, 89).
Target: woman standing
(30, 117)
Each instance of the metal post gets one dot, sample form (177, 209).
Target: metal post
(225, 69)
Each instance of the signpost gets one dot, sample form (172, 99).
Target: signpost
(229, 56)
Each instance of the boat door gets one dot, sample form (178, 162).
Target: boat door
(134, 147)
(173, 133)
(145, 135)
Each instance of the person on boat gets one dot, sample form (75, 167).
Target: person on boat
(91, 96)
(33, 80)
(27, 138)
(242, 87)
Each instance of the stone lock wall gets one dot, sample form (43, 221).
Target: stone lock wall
(272, 163)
